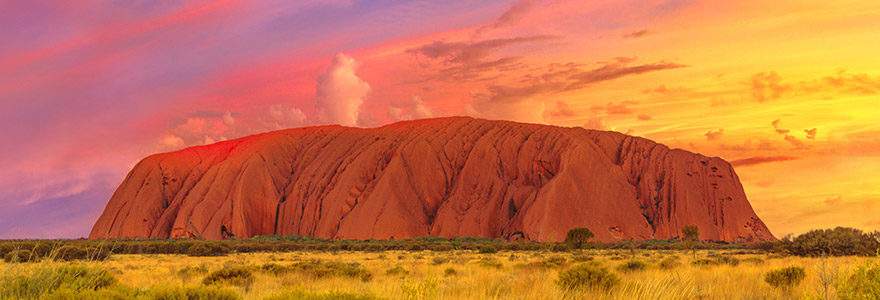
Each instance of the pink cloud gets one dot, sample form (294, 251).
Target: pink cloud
(340, 92)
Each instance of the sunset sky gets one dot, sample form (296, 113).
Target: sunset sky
(788, 91)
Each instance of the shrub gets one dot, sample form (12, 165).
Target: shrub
(632, 265)
(581, 257)
(275, 269)
(786, 277)
(705, 262)
(450, 272)
(670, 262)
(488, 263)
(318, 269)
(864, 283)
(18, 256)
(398, 270)
(587, 276)
(754, 260)
(835, 242)
(442, 247)
(43, 249)
(439, 260)
(186, 273)
(555, 261)
(115, 292)
(98, 254)
(730, 260)
(41, 281)
(68, 253)
(561, 247)
(207, 249)
(5, 248)
(301, 295)
(488, 250)
(578, 238)
(241, 276)
(192, 292)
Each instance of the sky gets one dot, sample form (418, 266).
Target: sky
(788, 91)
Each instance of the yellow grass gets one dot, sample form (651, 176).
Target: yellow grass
(515, 279)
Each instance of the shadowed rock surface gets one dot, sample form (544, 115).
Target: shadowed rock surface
(442, 177)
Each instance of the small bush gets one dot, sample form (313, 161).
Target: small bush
(301, 295)
(786, 277)
(493, 264)
(864, 283)
(450, 272)
(670, 262)
(115, 292)
(705, 262)
(754, 260)
(396, 271)
(318, 269)
(439, 260)
(43, 249)
(442, 247)
(68, 253)
(488, 250)
(19, 256)
(729, 260)
(631, 266)
(555, 261)
(5, 248)
(587, 276)
(547, 263)
(581, 257)
(561, 248)
(240, 276)
(186, 273)
(192, 292)
(207, 249)
(275, 269)
(98, 254)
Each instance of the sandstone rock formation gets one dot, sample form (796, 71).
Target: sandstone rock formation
(442, 177)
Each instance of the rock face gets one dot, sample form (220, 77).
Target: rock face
(442, 177)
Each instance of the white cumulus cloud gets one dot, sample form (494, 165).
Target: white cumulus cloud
(340, 92)
(413, 110)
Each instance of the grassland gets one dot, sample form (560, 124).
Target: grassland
(457, 274)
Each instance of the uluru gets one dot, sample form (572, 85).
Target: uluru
(444, 177)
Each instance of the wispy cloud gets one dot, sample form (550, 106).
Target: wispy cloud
(750, 161)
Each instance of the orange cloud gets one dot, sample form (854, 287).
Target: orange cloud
(637, 34)
(619, 68)
(798, 144)
(615, 109)
(767, 86)
(777, 129)
(833, 200)
(714, 135)
(744, 162)
(811, 133)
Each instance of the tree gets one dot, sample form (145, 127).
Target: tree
(839, 241)
(690, 234)
(578, 238)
